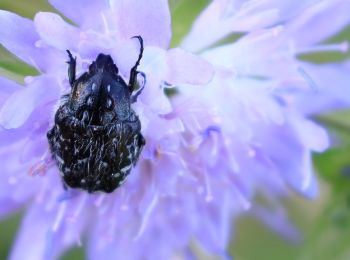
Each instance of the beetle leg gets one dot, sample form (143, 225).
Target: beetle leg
(71, 69)
(134, 72)
(140, 143)
(138, 92)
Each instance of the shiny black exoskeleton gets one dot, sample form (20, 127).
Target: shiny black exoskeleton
(96, 138)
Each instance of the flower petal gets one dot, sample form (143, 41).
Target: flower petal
(35, 224)
(213, 24)
(216, 220)
(55, 224)
(184, 67)
(291, 157)
(15, 189)
(312, 135)
(86, 13)
(54, 31)
(332, 82)
(223, 17)
(149, 19)
(313, 25)
(7, 207)
(19, 106)
(278, 222)
(18, 35)
(7, 88)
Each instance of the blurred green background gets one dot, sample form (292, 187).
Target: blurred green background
(324, 222)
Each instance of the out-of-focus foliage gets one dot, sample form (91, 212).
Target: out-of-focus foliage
(329, 236)
(324, 222)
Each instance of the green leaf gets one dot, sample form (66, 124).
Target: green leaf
(183, 13)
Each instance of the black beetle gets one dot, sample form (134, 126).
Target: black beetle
(96, 138)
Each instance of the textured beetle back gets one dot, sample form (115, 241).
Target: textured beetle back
(97, 162)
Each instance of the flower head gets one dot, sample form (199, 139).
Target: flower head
(233, 129)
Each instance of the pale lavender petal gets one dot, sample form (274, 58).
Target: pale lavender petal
(18, 35)
(313, 25)
(215, 236)
(36, 224)
(277, 221)
(311, 135)
(34, 148)
(7, 87)
(8, 207)
(287, 9)
(15, 175)
(205, 30)
(297, 172)
(331, 85)
(12, 114)
(55, 224)
(250, 53)
(32, 128)
(154, 66)
(149, 19)
(55, 32)
(86, 13)
(184, 67)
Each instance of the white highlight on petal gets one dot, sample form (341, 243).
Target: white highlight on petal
(342, 47)
(59, 217)
(307, 172)
(146, 215)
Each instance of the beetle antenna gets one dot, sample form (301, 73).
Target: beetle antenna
(134, 72)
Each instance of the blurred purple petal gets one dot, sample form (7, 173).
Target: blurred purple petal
(9, 208)
(298, 173)
(312, 135)
(35, 225)
(216, 235)
(229, 18)
(47, 225)
(150, 19)
(239, 17)
(313, 25)
(12, 114)
(77, 11)
(184, 67)
(7, 88)
(18, 35)
(332, 84)
(53, 30)
(277, 221)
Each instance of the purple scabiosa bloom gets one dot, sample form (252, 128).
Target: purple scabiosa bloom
(261, 94)
(235, 128)
(295, 28)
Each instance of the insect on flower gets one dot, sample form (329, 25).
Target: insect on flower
(96, 137)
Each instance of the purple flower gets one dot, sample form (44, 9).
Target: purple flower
(275, 33)
(235, 129)
(261, 93)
